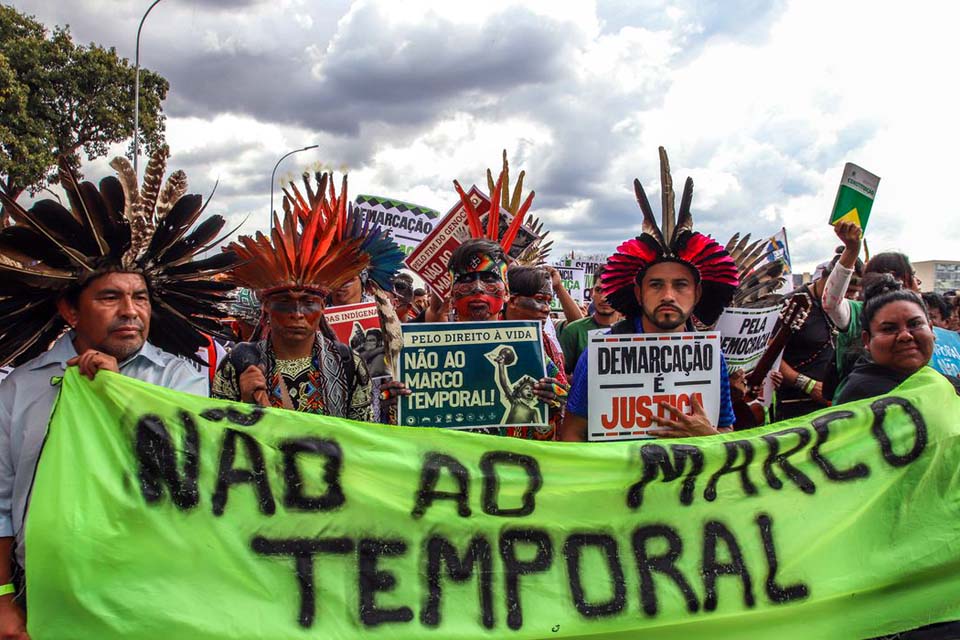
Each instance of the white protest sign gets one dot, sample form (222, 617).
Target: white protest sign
(744, 337)
(572, 278)
(630, 374)
(408, 223)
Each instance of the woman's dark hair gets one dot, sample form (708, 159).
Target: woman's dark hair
(857, 267)
(938, 302)
(526, 281)
(890, 262)
(881, 289)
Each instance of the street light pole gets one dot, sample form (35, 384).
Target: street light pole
(273, 176)
(136, 91)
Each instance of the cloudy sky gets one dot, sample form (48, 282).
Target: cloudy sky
(761, 103)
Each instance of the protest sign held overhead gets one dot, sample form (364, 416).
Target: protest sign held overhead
(429, 259)
(472, 374)
(573, 282)
(630, 374)
(408, 223)
(858, 188)
(225, 521)
(590, 270)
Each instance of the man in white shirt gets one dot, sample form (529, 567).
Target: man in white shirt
(91, 280)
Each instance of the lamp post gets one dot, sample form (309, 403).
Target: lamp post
(273, 176)
(136, 91)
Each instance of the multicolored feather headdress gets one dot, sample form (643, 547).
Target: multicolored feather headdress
(521, 237)
(119, 226)
(320, 244)
(674, 241)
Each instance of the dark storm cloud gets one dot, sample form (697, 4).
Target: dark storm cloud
(365, 82)
(375, 73)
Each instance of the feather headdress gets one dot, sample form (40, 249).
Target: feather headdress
(521, 237)
(320, 244)
(673, 241)
(119, 226)
(759, 274)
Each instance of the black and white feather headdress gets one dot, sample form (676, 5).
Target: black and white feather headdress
(118, 226)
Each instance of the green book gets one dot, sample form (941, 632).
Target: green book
(855, 196)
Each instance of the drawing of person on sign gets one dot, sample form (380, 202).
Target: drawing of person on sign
(518, 397)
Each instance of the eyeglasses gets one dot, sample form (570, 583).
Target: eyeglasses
(305, 306)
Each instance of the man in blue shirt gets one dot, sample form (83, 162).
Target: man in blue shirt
(668, 294)
(660, 281)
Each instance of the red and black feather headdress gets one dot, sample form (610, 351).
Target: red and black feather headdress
(674, 241)
(118, 226)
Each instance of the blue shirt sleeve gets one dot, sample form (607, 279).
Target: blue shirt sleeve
(577, 398)
(727, 417)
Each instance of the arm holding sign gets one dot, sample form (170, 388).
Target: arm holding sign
(571, 311)
(834, 303)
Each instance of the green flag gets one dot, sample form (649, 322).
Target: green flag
(858, 187)
(159, 515)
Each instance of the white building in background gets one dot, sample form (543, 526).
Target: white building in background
(938, 275)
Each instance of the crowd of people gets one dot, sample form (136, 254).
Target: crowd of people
(115, 282)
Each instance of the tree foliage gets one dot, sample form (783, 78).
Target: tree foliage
(60, 98)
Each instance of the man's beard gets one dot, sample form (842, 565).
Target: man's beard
(605, 314)
(665, 325)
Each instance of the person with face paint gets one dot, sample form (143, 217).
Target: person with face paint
(531, 292)
(659, 281)
(300, 365)
(478, 270)
(403, 300)
(478, 275)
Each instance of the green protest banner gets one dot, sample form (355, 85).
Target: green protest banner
(158, 515)
(858, 188)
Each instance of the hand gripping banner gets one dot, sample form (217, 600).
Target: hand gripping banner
(158, 515)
